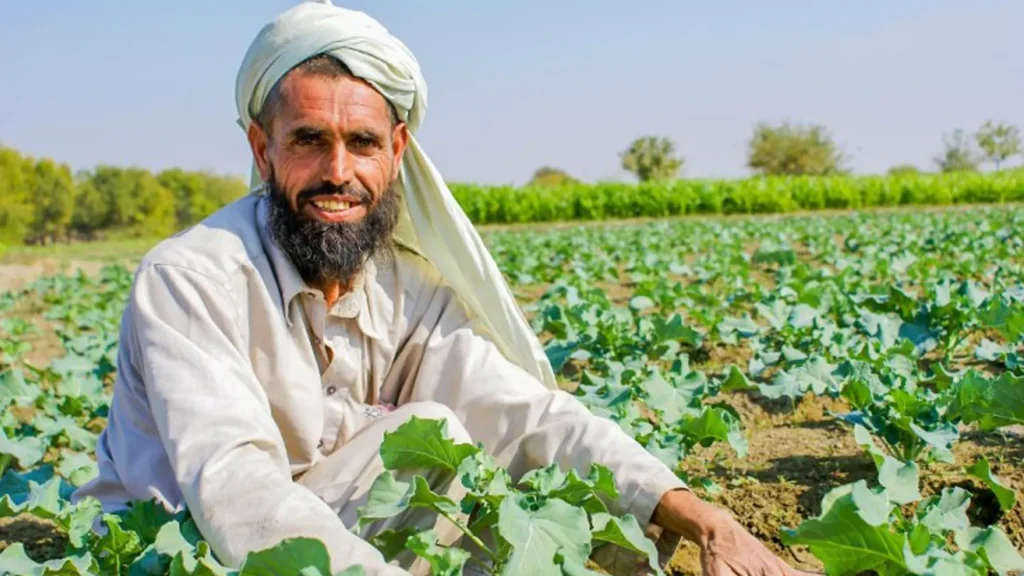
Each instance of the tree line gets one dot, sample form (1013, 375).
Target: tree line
(43, 202)
(791, 149)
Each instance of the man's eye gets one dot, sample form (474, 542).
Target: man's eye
(363, 142)
(307, 140)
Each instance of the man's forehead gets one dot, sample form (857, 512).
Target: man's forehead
(304, 93)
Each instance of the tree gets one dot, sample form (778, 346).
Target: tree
(552, 177)
(15, 204)
(53, 201)
(957, 153)
(998, 141)
(794, 150)
(652, 158)
(91, 210)
(904, 170)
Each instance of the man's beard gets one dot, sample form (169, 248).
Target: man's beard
(329, 252)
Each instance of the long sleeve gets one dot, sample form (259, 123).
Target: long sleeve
(517, 418)
(215, 424)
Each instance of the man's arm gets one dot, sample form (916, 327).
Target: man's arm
(527, 426)
(216, 427)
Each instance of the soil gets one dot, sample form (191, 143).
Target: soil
(14, 277)
(797, 454)
(43, 540)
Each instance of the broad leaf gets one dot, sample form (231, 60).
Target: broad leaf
(983, 471)
(423, 444)
(535, 537)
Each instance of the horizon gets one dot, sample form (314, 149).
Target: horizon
(888, 80)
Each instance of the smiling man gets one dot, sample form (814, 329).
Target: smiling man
(265, 352)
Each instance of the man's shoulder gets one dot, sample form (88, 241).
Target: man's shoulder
(218, 247)
(412, 271)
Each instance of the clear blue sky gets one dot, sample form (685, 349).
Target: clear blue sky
(517, 85)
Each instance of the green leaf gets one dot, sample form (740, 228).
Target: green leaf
(715, 424)
(853, 535)
(900, 479)
(626, 533)
(77, 467)
(858, 394)
(443, 561)
(118, 547)
(388, 497)
(76, 521)
(993, 546)
(15, 390)
(149, 518)
(946, 513)
(15, 562)
(674, 329)
(639, 303)
(991, 403)
(983, 471)
(27, 451)
(544, 480)
(423, 443)
(43, 500)
(535, 536)
(814, 376)
(290, 556)
(673, 402)
(735, 381)
(391, 543)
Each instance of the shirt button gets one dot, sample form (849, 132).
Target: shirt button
(331, 390)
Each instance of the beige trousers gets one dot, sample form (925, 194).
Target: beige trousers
(344, 478)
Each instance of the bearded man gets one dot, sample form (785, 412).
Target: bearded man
(265, 352)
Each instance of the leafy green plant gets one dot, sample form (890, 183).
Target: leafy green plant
(862, 529)
(547, 523)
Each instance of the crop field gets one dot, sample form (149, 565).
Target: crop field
(850, 386)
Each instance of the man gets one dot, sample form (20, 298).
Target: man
(265, 352)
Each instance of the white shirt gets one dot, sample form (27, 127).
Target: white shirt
(219, 402)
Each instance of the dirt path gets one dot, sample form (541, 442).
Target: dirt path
(14, 277)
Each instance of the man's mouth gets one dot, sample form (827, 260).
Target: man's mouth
(328, 205)
(335, 208)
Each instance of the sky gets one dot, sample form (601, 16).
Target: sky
(513, 86)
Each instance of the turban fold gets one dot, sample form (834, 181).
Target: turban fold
(431, 222)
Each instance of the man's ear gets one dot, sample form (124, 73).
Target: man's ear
(259, 142)
(399, 141)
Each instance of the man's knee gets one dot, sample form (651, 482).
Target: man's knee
(429, 410)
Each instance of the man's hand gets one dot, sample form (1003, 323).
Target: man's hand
(727, 549)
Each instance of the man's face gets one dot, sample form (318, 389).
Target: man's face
(331, 157)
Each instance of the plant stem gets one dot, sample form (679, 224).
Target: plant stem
(465, 529)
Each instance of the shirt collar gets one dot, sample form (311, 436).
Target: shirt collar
(353, 304)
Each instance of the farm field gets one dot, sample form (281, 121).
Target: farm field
(851, 386)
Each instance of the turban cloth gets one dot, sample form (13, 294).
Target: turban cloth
(431, 222)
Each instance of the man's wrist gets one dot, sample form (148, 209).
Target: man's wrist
(684, 513)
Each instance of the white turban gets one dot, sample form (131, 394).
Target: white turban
(432, 223)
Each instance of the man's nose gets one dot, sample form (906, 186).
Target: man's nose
(339, 165)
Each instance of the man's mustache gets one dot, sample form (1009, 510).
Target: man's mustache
(327, 189)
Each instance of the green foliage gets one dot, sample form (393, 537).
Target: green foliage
(41, 203)
(758, 195)
(16, 210)
(652, 158)
(904, 170)
(795, 150)
(860, 529)
(550, 520)
(913, 318)
(998, 142)
(547, 176)
(958, 154)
